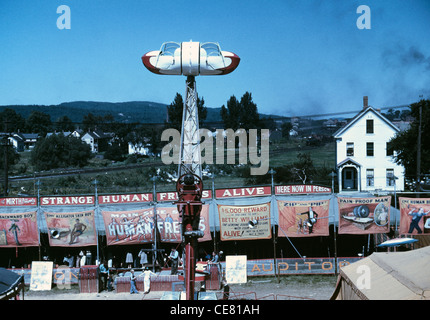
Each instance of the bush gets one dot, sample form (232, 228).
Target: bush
(59, 151)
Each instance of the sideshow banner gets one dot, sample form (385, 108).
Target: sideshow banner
(235, 222)
(364, 215)
(414, 216)
(137, 226)
(303, 218)
(19, 230)
(71, 229)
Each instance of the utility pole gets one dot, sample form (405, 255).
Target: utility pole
(6, 160)
(419, 147)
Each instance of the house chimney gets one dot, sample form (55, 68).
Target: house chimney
(365, 102)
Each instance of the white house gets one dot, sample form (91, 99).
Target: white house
(24, 141)
(97, 140)
(139, 148)
(364, 158)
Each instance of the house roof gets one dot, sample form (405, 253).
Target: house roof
(348, 161)
(99, 135)
(65, 133)
(360, 115)
(27, 136)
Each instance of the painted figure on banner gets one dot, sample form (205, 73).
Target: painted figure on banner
(414, 216)
(14, 229)
(71, 228)
(137, 226)
(18, 229)
(306, 225)
(303, 218)
(78, 230)
(364, 215)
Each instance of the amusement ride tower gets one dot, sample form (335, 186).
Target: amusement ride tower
(190, 59)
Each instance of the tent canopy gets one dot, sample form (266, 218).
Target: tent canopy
(9, 280)
(392, 276)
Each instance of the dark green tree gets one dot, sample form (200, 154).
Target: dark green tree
(89, 122)
(230, 115)
(285, 128)
(175, 112)
(114, 152)
(243, 114)
(12, 156)
(64, 124)
(250, 118)
(15, 122)
(38, 122)
(405, 143)
(59, 151)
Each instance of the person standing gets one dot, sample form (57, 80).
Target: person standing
(147, 279)
(133, 288)
(104, 274)
(174, 256)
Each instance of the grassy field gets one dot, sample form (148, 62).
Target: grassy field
(112, 177)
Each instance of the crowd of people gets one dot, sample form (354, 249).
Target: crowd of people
(108, 270)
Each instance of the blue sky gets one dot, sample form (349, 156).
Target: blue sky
(298, 57)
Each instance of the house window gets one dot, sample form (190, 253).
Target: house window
(390, 150)
(369, 149)
(370, 177)
(350, 149)
(369, 126)
(390, 178)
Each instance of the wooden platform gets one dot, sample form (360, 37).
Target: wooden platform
(164, 281)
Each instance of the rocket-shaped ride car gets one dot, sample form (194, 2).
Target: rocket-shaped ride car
(190, 59)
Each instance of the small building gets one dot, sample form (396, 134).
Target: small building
(98, 140)
(24, 141)
(364, 159)
(139, 148)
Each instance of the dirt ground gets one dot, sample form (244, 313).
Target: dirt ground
(318, 287)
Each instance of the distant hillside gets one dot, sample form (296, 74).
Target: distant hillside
(136, 111)
(133, 111)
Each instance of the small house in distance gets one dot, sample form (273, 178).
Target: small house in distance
(24, 141)
(98, 140)
(364, 159)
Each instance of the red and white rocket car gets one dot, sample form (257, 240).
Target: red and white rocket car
(190, 59)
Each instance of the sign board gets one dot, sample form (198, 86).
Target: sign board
(243, 192)
(41, 275)
(235, 222)
(235, 269)
(300, 189)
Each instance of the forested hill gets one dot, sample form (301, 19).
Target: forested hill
(133, 111)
